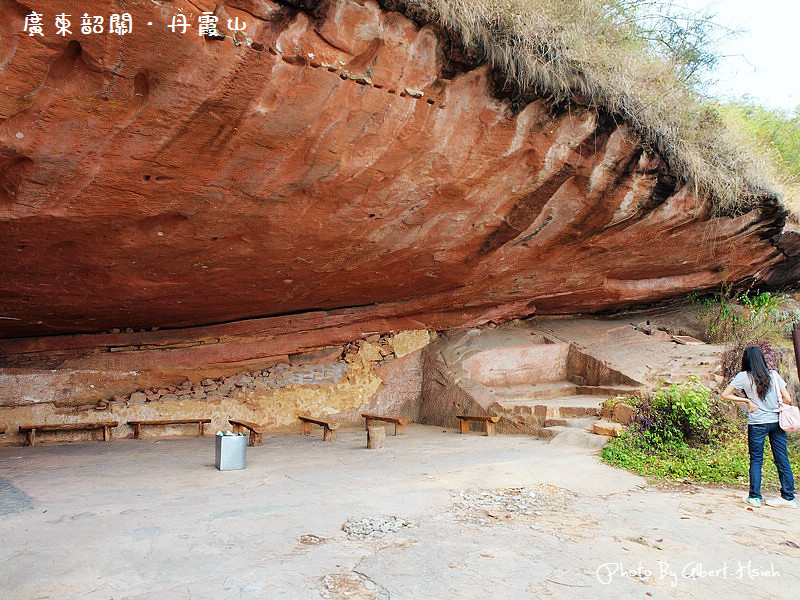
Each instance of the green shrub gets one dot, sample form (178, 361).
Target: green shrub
(677, 414)
(748, 319)
(683, 432)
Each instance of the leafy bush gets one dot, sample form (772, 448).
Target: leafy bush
(727, 316)
(677, 432)
(749, 319)
(682, 431)
(679, 413)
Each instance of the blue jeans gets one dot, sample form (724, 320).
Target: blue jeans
(756, 434)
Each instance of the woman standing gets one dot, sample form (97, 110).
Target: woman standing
(764, 390)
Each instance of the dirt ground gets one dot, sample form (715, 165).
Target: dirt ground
(434, 514)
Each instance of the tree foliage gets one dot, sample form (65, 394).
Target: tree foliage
(689, 39)
(774, 130)
(776, 134)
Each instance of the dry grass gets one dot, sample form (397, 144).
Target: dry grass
(570, 50)
(791, 198)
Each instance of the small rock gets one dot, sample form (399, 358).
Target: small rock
(608, 428)
(242, 380)
(623, 413)
(312, 540)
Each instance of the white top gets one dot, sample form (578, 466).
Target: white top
(766, 407)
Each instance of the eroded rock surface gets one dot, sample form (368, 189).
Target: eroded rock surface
(331, 160)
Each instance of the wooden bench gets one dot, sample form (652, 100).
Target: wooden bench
(399, 422)
(488, 421)
(330, 427)
(255, 430)
(137, 425)
(30, 430)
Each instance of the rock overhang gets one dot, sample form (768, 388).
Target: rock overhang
(331, 161)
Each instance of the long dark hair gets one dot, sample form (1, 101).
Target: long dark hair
(753, 362)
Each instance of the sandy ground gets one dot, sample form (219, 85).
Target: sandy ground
(434, 514)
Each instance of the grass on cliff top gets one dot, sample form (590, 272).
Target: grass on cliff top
(574, 50)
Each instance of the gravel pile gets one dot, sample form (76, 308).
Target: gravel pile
(488, 505)
(371, 528)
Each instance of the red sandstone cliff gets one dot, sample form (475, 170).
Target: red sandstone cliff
(338, 163)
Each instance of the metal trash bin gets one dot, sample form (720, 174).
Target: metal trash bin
(230, 451)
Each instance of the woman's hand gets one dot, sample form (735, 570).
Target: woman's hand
(729, 393)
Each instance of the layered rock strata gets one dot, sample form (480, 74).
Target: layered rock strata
(337, 162)
(380, 374)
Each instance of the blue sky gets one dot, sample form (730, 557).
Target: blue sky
(762, 61)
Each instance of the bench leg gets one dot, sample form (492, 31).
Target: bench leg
(367, 423)
(305, 428)
(255, 439)
(464, 426)
(399, 429)
(106, 433)
(489, 428)
(137, 431)
(200, 428)
(328, 435)
(30, 437)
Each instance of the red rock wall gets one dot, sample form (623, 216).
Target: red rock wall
(532, 363)
(336, 164)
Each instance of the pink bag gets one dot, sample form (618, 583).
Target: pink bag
(788, 417)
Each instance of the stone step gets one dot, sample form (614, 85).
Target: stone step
(584, 423)
(573, 436)
(563, 407)
(539, 391)
(537, 416)
(606, 428)
(608, 391)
